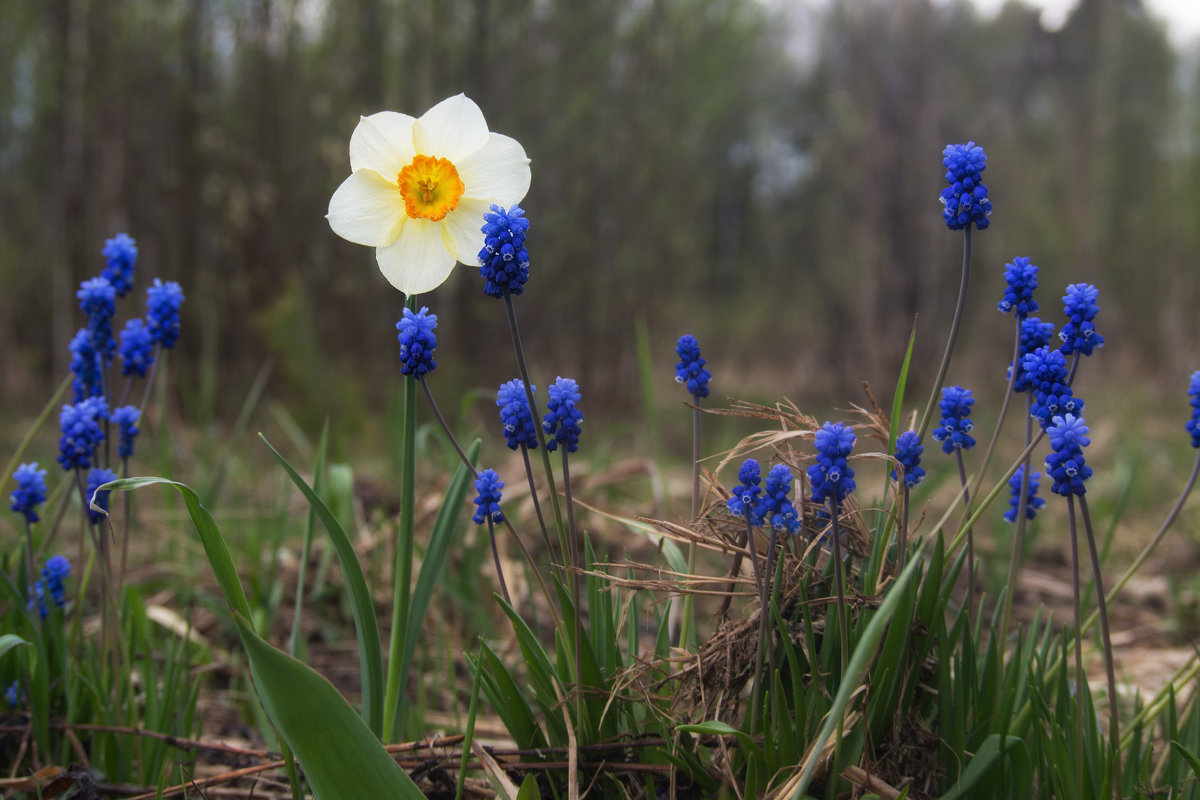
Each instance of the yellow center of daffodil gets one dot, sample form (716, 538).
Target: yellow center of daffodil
(430, 187)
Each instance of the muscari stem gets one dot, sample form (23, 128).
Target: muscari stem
(577, 565)
(1080, 677)
(756, 700)
(903, 531)
(1114, 730)
(687, 623)
(966, 498)
(1018, 547)
(1012, 380)
(496, 559)
(958, 314)
(837, 580)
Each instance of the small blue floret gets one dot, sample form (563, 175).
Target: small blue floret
(690, 370)
(562, 421)
(417, 342)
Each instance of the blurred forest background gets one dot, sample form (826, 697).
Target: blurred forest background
(762, 174)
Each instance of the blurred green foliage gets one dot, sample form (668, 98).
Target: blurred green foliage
(774, 166)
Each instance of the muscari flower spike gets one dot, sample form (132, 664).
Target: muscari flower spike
(1034, 334)
(690, 370)
(778, 510)
(162, 311)
(1021, 278)
(85, 366)
(1079, 334)
(81, 432)
(1066, 465)
(965, 200)
(57, 569)
(1046, 371)
(95, 479)
(504, 261)
(515, 415)
(31, 491)
(1032, 501)
(908, 453)
(417, 342)
(955, 430)
(126, 417)
(1193, 424)
(97, 299)
(120, 256)
(487, 502)
(831, 476)
(136, 348)
(14, 695)
(562, 421)
(745, 502)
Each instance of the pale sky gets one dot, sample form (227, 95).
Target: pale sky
(1182, 16)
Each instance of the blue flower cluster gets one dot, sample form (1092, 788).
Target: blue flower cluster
(1079, 334)
(14, 695)
(81, 432)
(1021, 278)
(162, 312)
(488, 486)
(1066, 465)
(908, 454)
(56, 570)
(955, 430)
(1193, 424)
(126, 417)
(120, 256)
(504, 261)
(31, 491)
(515, 415)
(1047, 374)
(417, 342)
(1032, 501)
(136, 349)
(777, 507)
(831, 477)
(965, 200)
(562, 421)
(745, 502)
(690, 370)
(85, 367)
(97, 299)
(97, 478)
(1034, 334)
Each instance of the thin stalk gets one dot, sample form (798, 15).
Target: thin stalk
(837, 581)
(496, 558)
(537, 506)
(954, 326)
(445, 428)
(756, 701)
(764, 602)
(577, 566)
(468, 738)
(1012, 381)
(903, 531)
(159, 353)
(966, 498)
(1080, 677)
(1114, 730)
(688, 623)
(402, 567)
(1018, 548)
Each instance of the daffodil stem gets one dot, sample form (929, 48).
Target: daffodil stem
(687, 624)
(402, 568)
(927, 416)
(1114, 715)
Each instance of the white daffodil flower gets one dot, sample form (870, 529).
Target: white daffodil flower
(419, 188)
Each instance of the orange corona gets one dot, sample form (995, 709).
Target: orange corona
(430, 187)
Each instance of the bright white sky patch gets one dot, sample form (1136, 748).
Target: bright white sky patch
(1181, 16)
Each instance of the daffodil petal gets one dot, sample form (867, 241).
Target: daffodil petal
(453, 129)
(498, 172)
(382, 142)
(419, 261)
(463, 231)
(367, 209)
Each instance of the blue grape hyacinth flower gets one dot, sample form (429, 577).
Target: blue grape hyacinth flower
(95, 479)
(81, 432)
(1034, 334)
(504, 261)
(136, 348)
(57, 569)
(162, 312)
(745, 502)
(1021, 278)
(126, 417)
(562, 421)
(417, 342)
(1047, 374)
(85, 367)
(120, 256)
(955, 430)
(1032, 501)
(487, 501)
(97, 299)
(14, 695)
(519, 426)
(831, 476)
(1193, 424)
(908, 454)
(1066, 465)
(779, 511)
(965, 200)
(690, 370)
(1079, 334)
(31, 491)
